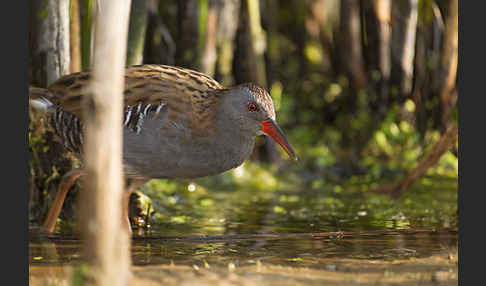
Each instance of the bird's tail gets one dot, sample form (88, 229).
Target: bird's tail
(39, 99)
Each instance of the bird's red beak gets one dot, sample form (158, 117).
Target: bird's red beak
(271, 128)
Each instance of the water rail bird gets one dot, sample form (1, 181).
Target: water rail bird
(178, 123)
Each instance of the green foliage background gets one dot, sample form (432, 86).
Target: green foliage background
(348, 139)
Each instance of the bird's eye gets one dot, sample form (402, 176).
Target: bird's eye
(252, 107)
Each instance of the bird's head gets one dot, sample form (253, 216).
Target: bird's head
(250, 109)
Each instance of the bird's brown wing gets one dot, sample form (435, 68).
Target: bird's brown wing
(188, 94)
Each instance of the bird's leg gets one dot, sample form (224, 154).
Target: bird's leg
(66, 182)
(131, 186)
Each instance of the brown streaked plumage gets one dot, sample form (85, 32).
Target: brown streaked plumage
(179, 123)
(188, 93)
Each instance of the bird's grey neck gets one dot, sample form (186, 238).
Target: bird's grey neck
(233, 145)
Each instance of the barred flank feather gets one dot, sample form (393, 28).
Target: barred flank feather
(69, 128)
(66, 125)
(134, 116)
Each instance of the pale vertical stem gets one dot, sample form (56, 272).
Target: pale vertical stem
(75, 37)
(94, 14)
(449, 61)
(403, 41)
(382, 9)
(136, 32)
(227, 24)
(208, 59)
(350, 43)
(106, 245)
(202, 31)
(378, 50)
(258, 42)
(57, 39)
(409, 47)
(87, 12)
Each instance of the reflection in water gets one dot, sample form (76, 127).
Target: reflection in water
(290, 215)
(303, 251)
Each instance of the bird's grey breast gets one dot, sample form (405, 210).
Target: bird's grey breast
(151, 141)
(159, 147)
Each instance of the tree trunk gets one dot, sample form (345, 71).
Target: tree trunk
(57, 39)
(52, 39)
(258, 44)
(321, 19)
(188, 34)
(208, 59)
(377, 43)
(448, 70)
(136, 32)
(378, 50)
(228, 16)
(404, 22)
(106, 246)
(273, 50)
(160, 47)
(251, 45)
(351, 53)
(75, 35)
(49, 60)
(426, 85)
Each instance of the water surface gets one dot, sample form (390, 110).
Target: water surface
(273, 238)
